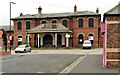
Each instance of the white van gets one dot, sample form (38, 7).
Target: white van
(87, 44)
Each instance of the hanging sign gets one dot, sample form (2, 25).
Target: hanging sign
(19, 39)
(91, 38)
(67, 35)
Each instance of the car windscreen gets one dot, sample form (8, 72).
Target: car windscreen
(21, 46)
(87, 43)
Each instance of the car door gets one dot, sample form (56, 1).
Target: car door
(28, 48)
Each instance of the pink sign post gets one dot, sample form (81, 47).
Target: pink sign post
(104, 32)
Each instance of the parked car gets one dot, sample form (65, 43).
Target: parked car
(23, 48)
(87, 44)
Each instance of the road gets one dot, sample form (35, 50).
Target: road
(56, 61)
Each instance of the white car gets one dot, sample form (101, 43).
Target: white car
(23, 48)
(87, 44)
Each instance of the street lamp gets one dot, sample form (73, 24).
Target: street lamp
(10, 24)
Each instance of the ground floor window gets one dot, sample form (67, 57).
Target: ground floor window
(91, 38)
(80, 39)
(59, 39)
(19, 40)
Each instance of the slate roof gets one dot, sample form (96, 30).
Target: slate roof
(44, 28)
(7, 27)
(50, 15)
(114, 10)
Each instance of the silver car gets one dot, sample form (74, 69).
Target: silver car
(23, 48)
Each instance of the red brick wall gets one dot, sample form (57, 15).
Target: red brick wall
(113, 32)
(22, 32)
(85, 30)
(72, 25)
(113, 35)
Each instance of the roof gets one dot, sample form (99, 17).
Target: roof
(7, 27)
(50, 15)
(46, 28)
(114, 10)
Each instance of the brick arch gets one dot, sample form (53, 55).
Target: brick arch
(91, 33)
(80, 33)
(55, 20)
(64, 19)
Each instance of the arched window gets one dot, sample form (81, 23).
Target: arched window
(19, 25)
(54, 24)
(43, 22)
(91, 38)
(80, 23)
(91, 22)
(80, 39)
(28, 25)
(65, 23)
(19, 40)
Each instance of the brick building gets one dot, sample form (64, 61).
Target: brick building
(112, 20)
(57, 29)
(7, 29)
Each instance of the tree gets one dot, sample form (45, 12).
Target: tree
(4, 39)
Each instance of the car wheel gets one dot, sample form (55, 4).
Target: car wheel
(16, 52)
(30, 50)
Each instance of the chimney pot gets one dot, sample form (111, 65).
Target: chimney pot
(75, 8)
(39, 10)
(21, 14)
(97, 10)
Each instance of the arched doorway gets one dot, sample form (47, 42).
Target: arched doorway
(91, 38)
(59, 40)
(80, 39)
(47, 40)
(19, 40)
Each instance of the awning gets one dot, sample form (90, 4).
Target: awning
(49, 28)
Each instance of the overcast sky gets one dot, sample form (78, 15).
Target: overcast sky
(51, 6)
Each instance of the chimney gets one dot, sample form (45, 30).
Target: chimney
(21, 14)
(97, 10)
(40, 10)
(75, 8)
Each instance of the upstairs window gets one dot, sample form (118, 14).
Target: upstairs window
(54, 24)
(19, 25)
(43, 22)
(28, 25)
(80, 23)
(65, 22)
(91, 22)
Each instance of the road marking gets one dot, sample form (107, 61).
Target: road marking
(40, 72)
(73, 65)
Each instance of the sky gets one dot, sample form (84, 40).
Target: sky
(51, 6)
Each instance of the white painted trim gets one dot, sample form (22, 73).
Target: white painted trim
(113, 22)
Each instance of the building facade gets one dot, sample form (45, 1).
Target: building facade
(112, 49)
(68, 29)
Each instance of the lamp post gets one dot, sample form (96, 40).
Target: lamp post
(10, 24)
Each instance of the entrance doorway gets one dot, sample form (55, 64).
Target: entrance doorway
(59, 40)
(47, 40)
